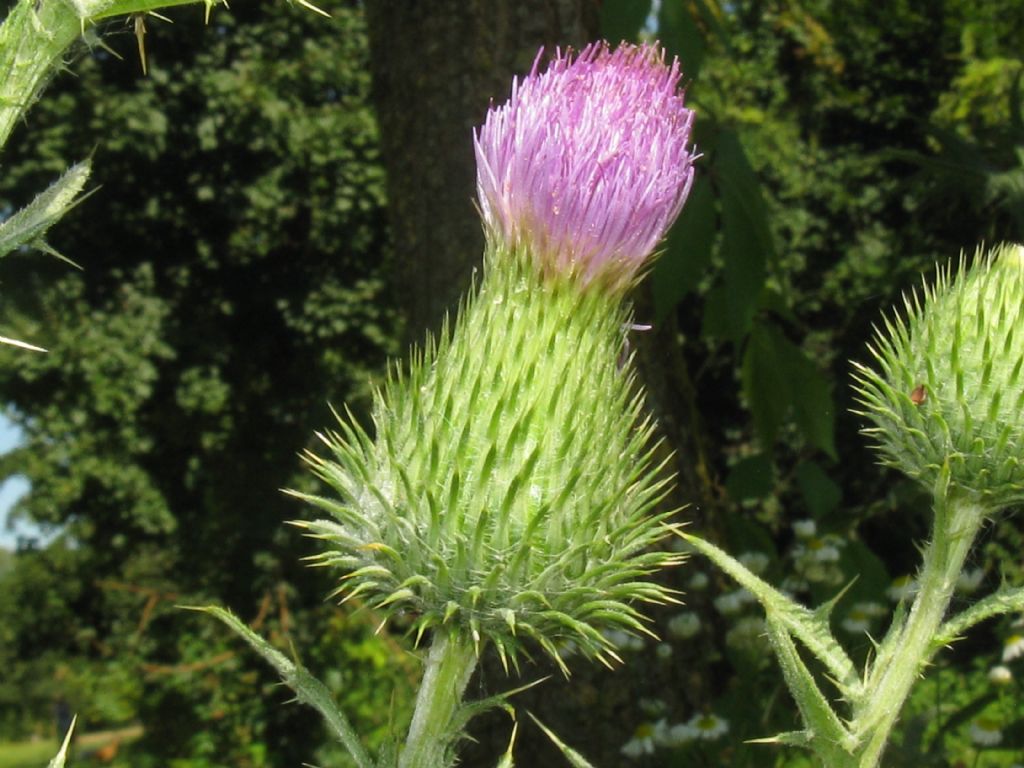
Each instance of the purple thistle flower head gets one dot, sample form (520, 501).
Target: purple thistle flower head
(588, 163)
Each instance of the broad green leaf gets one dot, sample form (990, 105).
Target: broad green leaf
(62, 756)
(810, 627)
(751, 478)
(29, 225)
(778, 379)
(715, 321)
(746, 237)
(819, 491)
(687, 251)
(307, 688)
(623, 19)
(775, 303)
(576, 760)
(681, 36)
(766, 382)
(813, 407)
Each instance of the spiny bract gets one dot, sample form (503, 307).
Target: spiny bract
(510, 484)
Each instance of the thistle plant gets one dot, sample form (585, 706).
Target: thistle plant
(508, 496)
(944, 404)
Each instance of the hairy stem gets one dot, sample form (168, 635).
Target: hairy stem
(33, 39)
(957, 520)
(450, 664)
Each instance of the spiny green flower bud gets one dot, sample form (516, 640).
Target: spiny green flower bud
(950, 385)
(510, 486)
(511, 479)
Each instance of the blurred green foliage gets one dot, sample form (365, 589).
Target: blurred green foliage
(232, 286)
(847, 149)
(234, 282)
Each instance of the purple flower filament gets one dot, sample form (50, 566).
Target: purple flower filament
(589, 162)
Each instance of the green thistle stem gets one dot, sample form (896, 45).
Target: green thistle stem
(31, 46)
(905, 653)
(35, 37)
(450, 664)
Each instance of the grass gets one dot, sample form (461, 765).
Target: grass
(37, 754)
(27, 754)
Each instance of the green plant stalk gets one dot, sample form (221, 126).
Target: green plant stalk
(450, 664)
(909, 647)
(34, 38)
(32, 43)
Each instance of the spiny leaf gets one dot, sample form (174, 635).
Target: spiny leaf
(831, 740)
(307, 688)
(506, 759)
(22, 344)
(29, 225)
(807, 626)
(58, 761)
(575, 758)
(1005, 600)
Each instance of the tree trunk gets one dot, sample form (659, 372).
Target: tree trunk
(436, 67)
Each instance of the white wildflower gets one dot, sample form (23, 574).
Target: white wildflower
(902, 588)
(805, 529)
(1000, 675)
(645, 739)
(985, 732)
(684, 625)
(1013, 648)
(679, 734)
(969, 581)
(708, 727)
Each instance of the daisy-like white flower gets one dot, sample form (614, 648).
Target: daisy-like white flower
(861, 616)
(969, 581)
(805, 529)
(645, 739)
(679, 734)
(902, 588)
(817, 558)
(1013, 648)
(684, 625)
(708, 727)
(985, 732)
(857, 621)
(820, 549)
(1000, 675)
